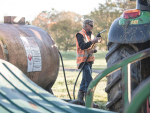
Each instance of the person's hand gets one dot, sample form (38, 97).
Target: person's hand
(96, 40)
(99, 41)
(95, 46)
(91, 51)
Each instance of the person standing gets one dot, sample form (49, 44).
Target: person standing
(83, 48)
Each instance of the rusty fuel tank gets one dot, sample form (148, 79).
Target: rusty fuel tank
(31, 49)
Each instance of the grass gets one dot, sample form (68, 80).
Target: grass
(59, 88)
(69, 59)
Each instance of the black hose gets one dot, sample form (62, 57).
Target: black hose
(78, 76)
(64, 75)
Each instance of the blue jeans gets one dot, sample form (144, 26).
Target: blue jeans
(86, 77)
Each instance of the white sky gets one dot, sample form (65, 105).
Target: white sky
(31, 8)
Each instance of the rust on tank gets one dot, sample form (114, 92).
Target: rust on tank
(6, 53)
(1, 38)
(13, 50)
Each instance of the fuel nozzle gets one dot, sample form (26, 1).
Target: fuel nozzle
(98, 35)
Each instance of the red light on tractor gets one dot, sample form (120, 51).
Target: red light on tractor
(133, 13)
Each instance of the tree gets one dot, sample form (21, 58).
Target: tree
(42, 21)
(64, 32)
(103, 18)
(105, 15)
(125, 4)
(62, 26)
(55, 23)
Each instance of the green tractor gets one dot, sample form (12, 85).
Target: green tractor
(129, 34)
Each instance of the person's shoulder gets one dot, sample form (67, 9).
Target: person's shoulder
(79, 35)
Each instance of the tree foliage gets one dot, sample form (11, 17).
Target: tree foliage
(125, 4)
(103, 18)
(105, 15)
(63, 26)
(64, 33)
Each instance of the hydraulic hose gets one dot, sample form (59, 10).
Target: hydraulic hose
(78, 76)
(64, 75)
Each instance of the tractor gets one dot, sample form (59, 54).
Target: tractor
(29, 65)
(128, 34)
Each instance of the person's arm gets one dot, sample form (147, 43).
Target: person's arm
(81, 42)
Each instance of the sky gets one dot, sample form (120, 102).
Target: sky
(31, 8)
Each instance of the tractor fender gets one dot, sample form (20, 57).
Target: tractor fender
(128, 33)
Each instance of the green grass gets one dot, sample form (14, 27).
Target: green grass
(69, 59)
(59, 88)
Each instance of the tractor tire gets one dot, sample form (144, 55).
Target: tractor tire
(114, 81)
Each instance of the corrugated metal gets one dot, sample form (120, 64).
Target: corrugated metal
(19, 94)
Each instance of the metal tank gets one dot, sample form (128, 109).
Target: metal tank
(31, 49)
